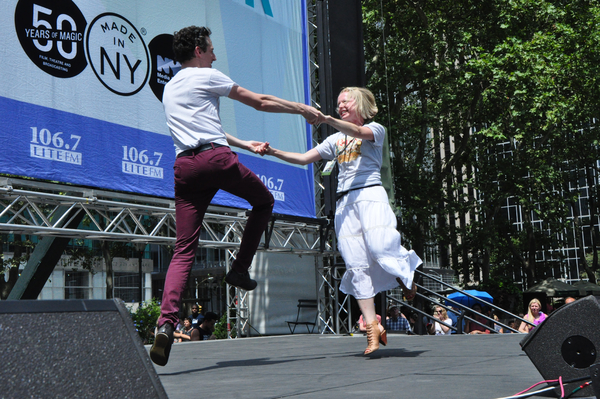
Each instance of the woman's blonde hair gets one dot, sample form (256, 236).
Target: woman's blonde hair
(534, 300)
(444, 314)
(365, 101)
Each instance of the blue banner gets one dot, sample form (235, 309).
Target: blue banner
(84, 106)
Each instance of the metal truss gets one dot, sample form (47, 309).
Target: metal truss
(334, 312)
(312, 12)
(334, 308)
(44, 209)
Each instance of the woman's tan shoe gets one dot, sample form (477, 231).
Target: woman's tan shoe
(373, 335)
(383, 337)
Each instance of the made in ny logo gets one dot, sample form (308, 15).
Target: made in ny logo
(117, 54)
(56, 37)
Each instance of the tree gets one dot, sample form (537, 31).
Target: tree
(145, 319)
(486, 103)
(10, 267)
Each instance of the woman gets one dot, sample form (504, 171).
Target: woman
(185, 334)
(497, 327)
(438, 328)
(365, 224)
(478, 328)
(534, 315)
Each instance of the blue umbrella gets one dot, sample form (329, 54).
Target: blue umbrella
(481, 297)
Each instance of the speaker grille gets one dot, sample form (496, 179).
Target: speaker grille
(72, 351)
(565, 344)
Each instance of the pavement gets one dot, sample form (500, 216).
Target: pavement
(307, 366)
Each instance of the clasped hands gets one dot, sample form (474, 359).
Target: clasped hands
(312, 115)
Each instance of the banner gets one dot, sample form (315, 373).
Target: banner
(81, 103)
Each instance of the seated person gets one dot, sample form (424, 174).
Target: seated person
(412, 320)
(207, 328)
(196, 316)
(475, 328)
(185, 333)
(499, 329)
(512, 323)
(438, 328)
(534, 315)
(454, 314)
(396, 321)
(569, 300)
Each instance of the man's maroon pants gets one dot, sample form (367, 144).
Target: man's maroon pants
(197, 180)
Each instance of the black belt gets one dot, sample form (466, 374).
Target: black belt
(197, 150)
(340, 195)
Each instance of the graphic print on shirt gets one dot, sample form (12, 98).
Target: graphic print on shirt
(347, 149)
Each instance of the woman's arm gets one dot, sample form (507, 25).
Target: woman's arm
(295, 157)
(360, 132)
(524, 327)
(446, 328)
(467, 328)
(181, 336)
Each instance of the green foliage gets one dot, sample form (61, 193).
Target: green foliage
(486, 102)
(22, 251)
(506, 293)
(145, 318)
(221, 328)
(82, 254)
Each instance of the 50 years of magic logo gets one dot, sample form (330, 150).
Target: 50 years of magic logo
(57, 38)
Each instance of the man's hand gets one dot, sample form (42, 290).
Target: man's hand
(258, 148)
(311, 114)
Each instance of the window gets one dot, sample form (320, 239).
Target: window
(127, 286)
(77, 285)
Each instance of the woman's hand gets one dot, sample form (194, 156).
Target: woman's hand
(258, 147)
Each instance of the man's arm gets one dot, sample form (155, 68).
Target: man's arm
(253, 146)
(268, 103)
(360, 132)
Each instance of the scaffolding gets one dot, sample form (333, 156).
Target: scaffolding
(46, 209)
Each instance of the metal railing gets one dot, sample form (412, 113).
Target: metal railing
(463, 312)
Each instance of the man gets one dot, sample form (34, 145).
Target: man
(207, 328)
(196, 317)
(396, 321)
(206, 164)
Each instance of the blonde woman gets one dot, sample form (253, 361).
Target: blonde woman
(438, 328)
(534, 315)
(365, 223)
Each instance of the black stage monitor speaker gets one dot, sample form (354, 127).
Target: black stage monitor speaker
(73, 349)
(566, 344)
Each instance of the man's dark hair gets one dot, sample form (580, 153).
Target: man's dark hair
(185, 41)
(209, 316)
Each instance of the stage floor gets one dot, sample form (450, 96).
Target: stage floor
(330, 366)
